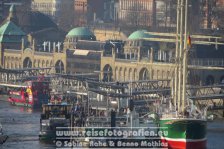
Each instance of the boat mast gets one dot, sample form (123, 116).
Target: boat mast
(185, 55)
(180, 59)
(181, 55)
(176, 57)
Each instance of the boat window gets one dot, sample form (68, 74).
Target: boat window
(58, 111)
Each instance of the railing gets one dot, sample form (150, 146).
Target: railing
(218, 62)
(207, 62)
(144, 59)
(126, 60)
(13, 50)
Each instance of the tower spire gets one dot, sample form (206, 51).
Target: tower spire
(12, 14)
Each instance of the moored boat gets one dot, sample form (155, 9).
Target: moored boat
(184, 133)
(33, 94)
(183, 124)
(53, 116)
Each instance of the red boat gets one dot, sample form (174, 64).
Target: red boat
(33, 94)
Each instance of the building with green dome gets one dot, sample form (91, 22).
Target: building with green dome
(139, 34)
(11, 33)
(144, 58)
(21, 50)
(82, 33)
(78, 33)
(138, 47)
(11, 36)
(136, 58)
(38, 48)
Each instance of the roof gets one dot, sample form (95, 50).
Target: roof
(9, 32)
(9, 28)
(8, 39)
(81, 52)
(80, 31)
(140, 34)
(90, 45)
(38, 21)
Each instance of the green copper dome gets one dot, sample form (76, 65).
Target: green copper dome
(9, 32)
(139, 35)
(80, 32)
(9, 28)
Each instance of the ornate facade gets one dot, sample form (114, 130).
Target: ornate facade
(142, 60)
(45, 49)
(135, 58)
(64, 57)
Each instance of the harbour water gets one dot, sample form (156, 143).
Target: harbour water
(22, 127)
